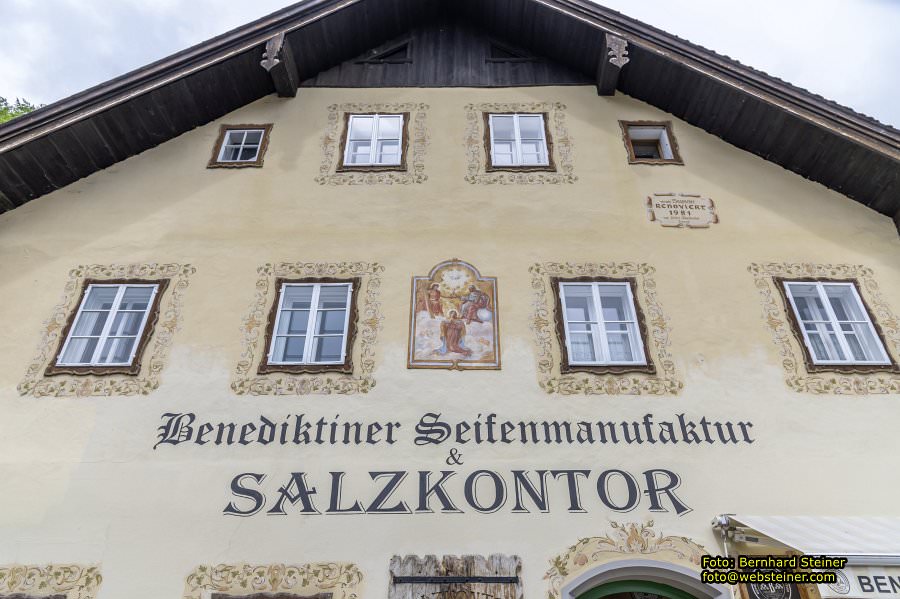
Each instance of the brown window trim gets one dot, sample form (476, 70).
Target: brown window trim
(667, 125)
(807, 355)
(272, 596)
(135, 367)
(346, 367)
(217, 148)
(565, 367)
(374, 168)
(489, 166)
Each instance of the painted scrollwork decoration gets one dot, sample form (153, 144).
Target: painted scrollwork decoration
(665, 381)
(624, 541)
(333, 151)
(56, 580)
(247, 381)
(561, 152)
(790, 352)
(156, 355)
(342, 581)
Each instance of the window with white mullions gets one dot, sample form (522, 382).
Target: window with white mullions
(108, 326)
(836, 327)
(601, 324)
(518, 140)
(241, 145)
(374, 140)
(311, 324)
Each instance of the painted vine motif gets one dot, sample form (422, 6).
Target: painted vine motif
(664, 382)
(332, 152)
(69, 580)
(155, 357)
(789, 350)
(246, 381)
(622, 542)
(343, 581)
(563, 155)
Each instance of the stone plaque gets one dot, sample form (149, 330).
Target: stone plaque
(451, 577)
(681, 210)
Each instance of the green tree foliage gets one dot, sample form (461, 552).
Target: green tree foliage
(10, 111)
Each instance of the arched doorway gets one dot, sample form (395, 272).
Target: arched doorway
(635, 589)
(641, 579)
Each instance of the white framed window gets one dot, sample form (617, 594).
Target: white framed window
(650, 142)
(835, 324)
(241, 145)
(518, 140)
(311, 324)
(601, 324)
(109, 325)
(374, 140)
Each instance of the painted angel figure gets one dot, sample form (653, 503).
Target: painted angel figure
(453, 333)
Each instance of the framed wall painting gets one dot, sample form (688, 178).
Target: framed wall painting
(453, 320)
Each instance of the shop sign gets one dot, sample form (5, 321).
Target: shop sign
(862, 581)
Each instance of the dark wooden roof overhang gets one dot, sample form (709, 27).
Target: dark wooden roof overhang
(805, 133)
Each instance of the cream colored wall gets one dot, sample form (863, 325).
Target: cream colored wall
(79, 481)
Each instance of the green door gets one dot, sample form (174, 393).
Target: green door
(626, 587)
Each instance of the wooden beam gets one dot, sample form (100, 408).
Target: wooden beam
(612, 59)
(278, 60)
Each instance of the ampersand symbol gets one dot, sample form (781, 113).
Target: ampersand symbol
(455, 458)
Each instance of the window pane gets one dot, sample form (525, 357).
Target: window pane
(614, 303)
(389, 127)
(818, 346)
(234, 138)
(844, 303)
(297, 297)
(101, 298)
(248, 153)
(620, 347)
(136, 298)
(582, 347)
(126, 323)
(327, 349)
(288, 349)
(531, 127)
(646, 148)
(361, 127)
(231, 153)
(293, 322)
(579, 303)
(388, 152)
(500, 159)
(116, 350)
(89, 323)
(864, 345)
(330, 322)
(79, 351)
(333, 296)
(809, 305)
(253, 138)
(503, 127)
(360, 152)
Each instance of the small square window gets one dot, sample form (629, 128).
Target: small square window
(834, 324)
(240, 146)
(518, 142)
(311, 326)
(600, 326)
(375, 142)
(110, 329)
(650, 142)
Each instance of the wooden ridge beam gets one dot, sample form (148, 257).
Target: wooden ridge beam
(278, 61)
(612, 59)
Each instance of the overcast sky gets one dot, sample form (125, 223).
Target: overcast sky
(845, 50)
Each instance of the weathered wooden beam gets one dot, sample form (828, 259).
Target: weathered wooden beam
(612, 60)
(278, 60)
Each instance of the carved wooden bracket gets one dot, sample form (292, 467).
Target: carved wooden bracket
(278, 61)
(611, 64)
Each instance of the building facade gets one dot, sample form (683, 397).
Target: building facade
(481, 331)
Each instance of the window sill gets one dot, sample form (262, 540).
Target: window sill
(608, 368)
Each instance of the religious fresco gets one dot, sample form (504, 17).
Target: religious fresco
(453, 319)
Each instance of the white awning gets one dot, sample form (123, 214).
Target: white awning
(862, 540)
